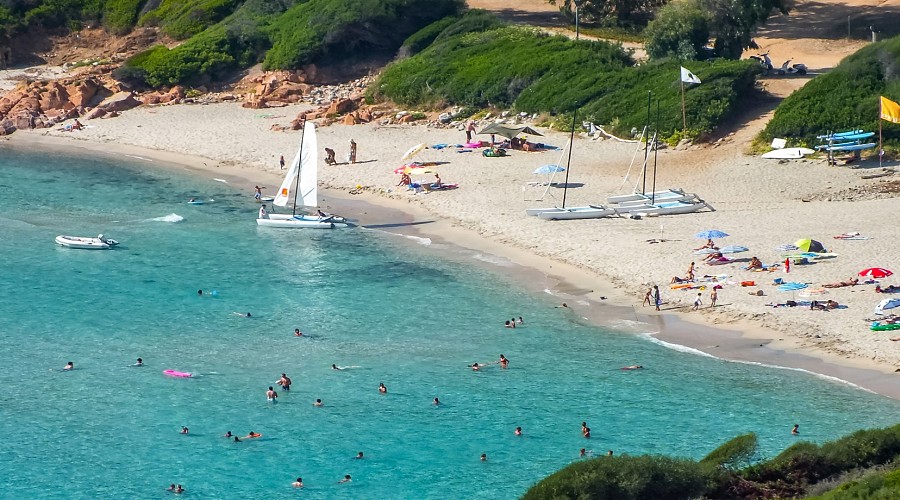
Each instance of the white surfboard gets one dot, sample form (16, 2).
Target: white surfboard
(787, 153)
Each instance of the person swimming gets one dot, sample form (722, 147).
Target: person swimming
(318, 403)
(437, 402)
(179, 489)
(252, 435)
(184, 430)
(518, 431)
(796, 430)
(228, 434)
(69, 366)
(245, 315)
(334, 367)
(346, 479)
(271, 395)
(140, 362)
(297, 332)
(633, 367)
(484, 457)
(359, 456)
(298, 483)
(237, 439)
(504, 363)
(382, 389)
(476, 367)
(285, 382)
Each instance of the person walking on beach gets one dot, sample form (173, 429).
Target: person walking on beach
(656, 300)
(281, 162)
(647, 298)
(697, 302)
(351, 158)
(690, 272)
(470, 129)
(713, 297)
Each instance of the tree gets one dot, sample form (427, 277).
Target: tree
(733, 22)
(680, 30)
(622, 12)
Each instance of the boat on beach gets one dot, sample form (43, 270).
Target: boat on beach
(669, 195)
(588, 212)
(300, 186)
(86, 243)
(670, 208)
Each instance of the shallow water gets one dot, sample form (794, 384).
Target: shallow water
(397, 314)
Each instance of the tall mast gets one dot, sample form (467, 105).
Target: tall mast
(569, 161)
(297, 184)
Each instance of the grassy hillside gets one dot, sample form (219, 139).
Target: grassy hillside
(870, 456)
(845, 98)
(531, 71)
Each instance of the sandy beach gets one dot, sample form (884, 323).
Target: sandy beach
(604, 265)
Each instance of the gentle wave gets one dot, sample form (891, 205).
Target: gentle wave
(136, 157)
(168, 218)
(691, 350)
(493, 259)
(220, 180)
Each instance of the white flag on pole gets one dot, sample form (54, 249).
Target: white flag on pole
(688, 77)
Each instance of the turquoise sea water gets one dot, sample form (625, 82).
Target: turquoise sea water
(396, 314)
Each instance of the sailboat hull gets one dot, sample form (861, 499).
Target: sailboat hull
(671, 208)
(572, 213)
(301, 222)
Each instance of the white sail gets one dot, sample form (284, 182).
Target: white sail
(309, 168)
(286, 191)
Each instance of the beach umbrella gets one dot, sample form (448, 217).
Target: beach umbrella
(508, 131)
(706, 251)
(808, 245)
(733, 249)
(875, 272)
(886, 304)
(549, 169)
(401, 169)
(419, 170)
(413, 151)
(710, 234)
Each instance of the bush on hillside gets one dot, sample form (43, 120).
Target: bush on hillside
(119, 16)
(535, 72)
(334, 29)
(845, 98)
(734, 454)
(182, 19)
(877, 486)
(626, 478)
(472, 21)
(680, 31)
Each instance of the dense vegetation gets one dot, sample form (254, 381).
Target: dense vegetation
(844, 98)
(870, 456)
(535, 72)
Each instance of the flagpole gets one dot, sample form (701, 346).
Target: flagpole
(880, 145)
(683, 113)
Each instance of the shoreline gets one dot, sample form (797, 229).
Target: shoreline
(592, 295)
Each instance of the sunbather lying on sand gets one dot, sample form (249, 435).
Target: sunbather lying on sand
(823, 306)
(850, 282)
(713, 256)
(887, 289)
(709, 244)
(676, 279)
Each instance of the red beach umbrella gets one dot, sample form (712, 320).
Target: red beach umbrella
(875, 272)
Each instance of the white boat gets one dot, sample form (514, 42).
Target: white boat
(86, 243)
(588, 212)
(570, 213)
(670, 208)
(666, 196)
(301, 187)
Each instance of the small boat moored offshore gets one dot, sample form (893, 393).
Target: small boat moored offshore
(99, 243)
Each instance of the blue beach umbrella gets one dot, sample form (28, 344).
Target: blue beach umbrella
(549, 169)
(710, 234)
(733, 249)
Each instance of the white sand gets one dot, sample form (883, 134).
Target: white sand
(759, 202)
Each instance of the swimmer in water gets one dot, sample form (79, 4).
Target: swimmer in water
(171, 487)
(484, 457)
(346, 479)
(245, 315)
(179, 489)
(140, 362)
(334, 367)
(513, 322)
(504, 363)
(297, 332)
(228, 434)
(563, 306)
(359, 456)
(318, 403)
(632, 367)
(586, 453)
(184, 430)
(609, 453)
(237, 439)
(69, 366)
(518, 431)
(298, 483)
(520, 321)
(586, 432)
(271, 395)
(382, 389)
(796, 430)
(285, 382)
(509, 325)
(437, 402)
(476, 367)
(200, 293)
(252, 434)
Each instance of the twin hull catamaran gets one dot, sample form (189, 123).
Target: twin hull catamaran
(301, 187)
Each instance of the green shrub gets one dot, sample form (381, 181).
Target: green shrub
(182, 19)
(119, 16)
(625, 478)
(680, 30)
(471, 21)
(877, 486)
(534, 72)
(734, 454)
(339, 29)
(844, 98)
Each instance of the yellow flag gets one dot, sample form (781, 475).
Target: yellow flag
(890, 110)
